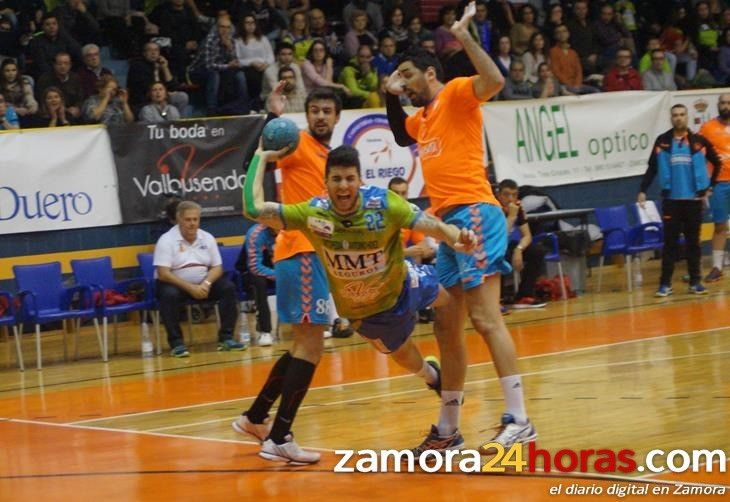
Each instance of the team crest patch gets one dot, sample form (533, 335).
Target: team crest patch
(321, 227)
(374, 203)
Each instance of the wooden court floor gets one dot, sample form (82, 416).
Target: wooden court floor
(611, 370)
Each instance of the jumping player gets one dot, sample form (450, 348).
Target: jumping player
(355, 231)
(448, 130)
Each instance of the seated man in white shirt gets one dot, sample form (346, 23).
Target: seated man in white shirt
(189, 267)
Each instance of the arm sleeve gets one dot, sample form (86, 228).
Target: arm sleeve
(714, 159)
(403, 213)
(397, 120)
(163, 254)
(215, 253)
(256, 262)
(651, 170)
(294, 216)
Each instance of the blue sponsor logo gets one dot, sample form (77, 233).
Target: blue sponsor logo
(64, 206)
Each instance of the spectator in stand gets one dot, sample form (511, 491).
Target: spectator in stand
(627, 15)
(109, 106)
(482, 28)
(622, 77)
(91, 71)
(516, 86)
(318, 69)
(360, 77)
(179, 23)
(76, 20)
(450, 50)
(610, 35)
(217, 68)
(396, 29)
(723, 57)
(534, 56)
(674, 39)
(555, 17)
(385, 61)
(428, 44)
(254, 53)
(416, 32)
(295, 98)
(503, 58)
(298, 35)
(655, 78)
(670, 61)
(8, 117)
(159, 108)
(705, 35)
(62, 77)
(284, 57)
(565, 63)
(320, 28)
(17, 90)
(372, 11)
(547, 86)
(153, 67)
(52, 111)
(43, 48)
(290, 7)
(522, 30)
(583, 38)
(115, 17)
(271, 22)
(358, 34)
(10, 46)
(410, 8)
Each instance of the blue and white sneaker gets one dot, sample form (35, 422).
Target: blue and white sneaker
(509, 433)
(697, 289)
(664, 291)
(231, 344)
(180, 351)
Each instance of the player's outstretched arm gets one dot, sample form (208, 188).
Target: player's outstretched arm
(254, 206)
(489, 80)
(462, 240)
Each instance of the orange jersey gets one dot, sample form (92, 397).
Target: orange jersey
(410, 237)
(450, 137)
(302, 177)
(718, 134)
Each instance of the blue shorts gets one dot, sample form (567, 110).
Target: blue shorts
(390, 329)
(302, 291)
(720, 202)
(490, 226)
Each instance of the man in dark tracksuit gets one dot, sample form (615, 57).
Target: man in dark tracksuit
(680, 158)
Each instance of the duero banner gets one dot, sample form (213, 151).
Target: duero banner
(200, 160)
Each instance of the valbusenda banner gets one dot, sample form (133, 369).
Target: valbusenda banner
(575, 139)
(57, 179)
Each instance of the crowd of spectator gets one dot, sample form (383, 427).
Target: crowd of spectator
(231, 53)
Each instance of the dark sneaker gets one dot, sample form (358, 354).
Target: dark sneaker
(341, 328)
(664, 291)
(509, 433)
(435, 364)
(180, 351)
(504, 310)
(697, 289)
(714, 275)
(438, 443)
(231, 344)
(528, 302)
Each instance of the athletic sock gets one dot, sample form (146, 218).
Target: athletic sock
(428, 373)
(717, 258)
(451, 401)
(271, 390)
(296, 383)
(514, 398)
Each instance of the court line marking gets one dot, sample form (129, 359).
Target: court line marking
(469, 382)
(573, 475)
(376, 380)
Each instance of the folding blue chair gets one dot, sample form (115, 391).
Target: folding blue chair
(620, 238)
(8, 318)
(99, 274)
(44, 300)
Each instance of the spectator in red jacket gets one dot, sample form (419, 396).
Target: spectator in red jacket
(622, 77)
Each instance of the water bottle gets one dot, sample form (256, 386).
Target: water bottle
(148, 349)
(638, 277)
(244, 336)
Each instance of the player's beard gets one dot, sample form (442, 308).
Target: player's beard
(725, 114)
(322, 137)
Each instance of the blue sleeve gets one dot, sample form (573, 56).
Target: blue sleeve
(260, 241)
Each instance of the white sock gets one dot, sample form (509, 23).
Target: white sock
(450, 411)
(513, 397)
(717, 258)
(428, 373)
(332, 310)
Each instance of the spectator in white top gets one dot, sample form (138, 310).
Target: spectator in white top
(159, 109)
(284, 57)
(254, 53)
(534, 56)
(189, 267)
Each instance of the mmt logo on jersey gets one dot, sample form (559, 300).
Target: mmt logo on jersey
(354, 264)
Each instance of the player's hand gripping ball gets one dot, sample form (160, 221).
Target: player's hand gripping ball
(280, 133)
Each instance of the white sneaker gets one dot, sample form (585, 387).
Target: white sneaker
(509, 433)
(264, 340)
(260, 432)
(288, 452)
(328, 334)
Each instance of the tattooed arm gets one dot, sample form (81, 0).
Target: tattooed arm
(462, 240)
(254, 206)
